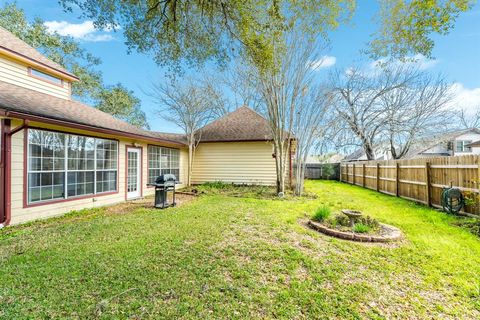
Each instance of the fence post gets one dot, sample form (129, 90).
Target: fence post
(363, 171)
(378, 176)
(427, 183)
(340, 177)
(353, 174)
(397, 179)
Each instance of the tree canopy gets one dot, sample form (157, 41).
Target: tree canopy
(121, 103)
(67, 52)
(197, 31)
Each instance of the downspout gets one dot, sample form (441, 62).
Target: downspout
(6, 170)
(5, 167)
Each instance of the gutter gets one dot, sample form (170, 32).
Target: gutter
(18, 56)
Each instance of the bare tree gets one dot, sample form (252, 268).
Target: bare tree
(310, 125)
(190, 106)
(415, 110)
(242, 81)
(469, 120)
(282, 88)
(357, 96)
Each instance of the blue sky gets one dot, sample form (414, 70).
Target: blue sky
(457, 55)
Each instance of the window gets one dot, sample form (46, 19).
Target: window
(45, 76)
(62, 166)
(161, 161)
(461, 146)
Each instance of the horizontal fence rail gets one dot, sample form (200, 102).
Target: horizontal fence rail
(421, 180)
(326, 171)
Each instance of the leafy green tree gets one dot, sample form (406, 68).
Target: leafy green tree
(67, 52)
(63, 50)
(195, 31)
(121, 103)
(406, 27)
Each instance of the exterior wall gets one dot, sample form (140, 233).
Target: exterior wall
(17, 74)
(21, 214)
(234, 162)
(469, 137)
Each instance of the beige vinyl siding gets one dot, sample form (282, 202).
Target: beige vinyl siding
(17, 74)
(21, 214)
(234, 162)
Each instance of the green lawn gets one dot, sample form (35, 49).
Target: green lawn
(222, 256)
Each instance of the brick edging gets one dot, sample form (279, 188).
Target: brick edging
(394, 233)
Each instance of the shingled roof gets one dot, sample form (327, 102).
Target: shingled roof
(9, 42)
(243, 124)
(24, 101)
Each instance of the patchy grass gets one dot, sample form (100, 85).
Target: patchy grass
(229, 257)
(244, 191)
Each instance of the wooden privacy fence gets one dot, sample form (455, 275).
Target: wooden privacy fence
(420, 180)
(327, 171)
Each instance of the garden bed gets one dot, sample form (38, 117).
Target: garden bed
(385, 233)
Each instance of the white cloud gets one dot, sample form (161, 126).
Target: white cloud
(465, 98)
(82, 31)
(323, 62)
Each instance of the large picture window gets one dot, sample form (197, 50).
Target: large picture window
(62, 166)
(161, 161)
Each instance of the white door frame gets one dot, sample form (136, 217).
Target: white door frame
(136, 184)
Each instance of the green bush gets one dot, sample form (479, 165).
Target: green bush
(361, 228)
(322, 213)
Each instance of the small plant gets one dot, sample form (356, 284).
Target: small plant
(368, 221)
(216, 185)
(361, 228)
(322, 213)
(472, 225)
(342, 220)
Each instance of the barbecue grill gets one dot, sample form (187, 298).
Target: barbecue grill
(164, 184)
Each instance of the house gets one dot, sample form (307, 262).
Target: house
(58, 155)
(455, 143)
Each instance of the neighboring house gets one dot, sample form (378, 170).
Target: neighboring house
(58, 155)
(456, 143)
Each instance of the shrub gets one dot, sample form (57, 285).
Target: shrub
(368, 221)
(472, 225)
(361, 228)
(322, 213)
(342, 220)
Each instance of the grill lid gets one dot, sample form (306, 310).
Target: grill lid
(163, 178)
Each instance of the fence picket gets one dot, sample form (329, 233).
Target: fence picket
(421, 179)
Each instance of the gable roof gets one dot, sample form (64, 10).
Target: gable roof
(422, 145)
(9, 43)
(243, 124)
(426, 144)
(29, 104)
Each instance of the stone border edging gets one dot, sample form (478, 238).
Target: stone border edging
(394, 234)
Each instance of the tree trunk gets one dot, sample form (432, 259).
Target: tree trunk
(280, 167)
(369, 152)
(190, 164)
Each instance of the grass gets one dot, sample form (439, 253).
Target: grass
(230, 257)
(322, 213)
(361, 228)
